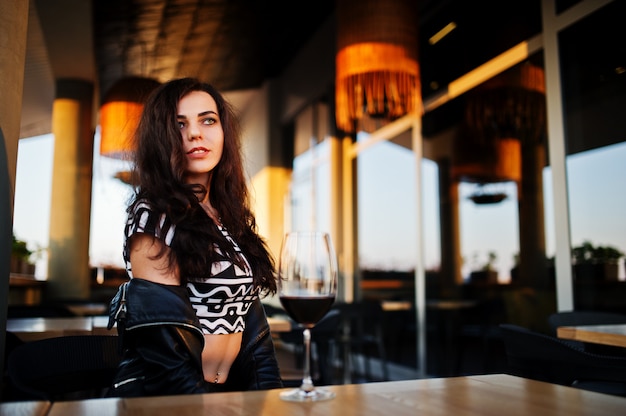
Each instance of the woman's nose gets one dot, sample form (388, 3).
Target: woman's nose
(193, 131)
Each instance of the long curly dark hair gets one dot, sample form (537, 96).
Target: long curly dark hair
(158, 174)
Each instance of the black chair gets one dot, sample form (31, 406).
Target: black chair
(11, 341)
(575, 318)
(363, 337)
(546, 358)
(481, 324)
(324, 339)
(271, 310)
(40, 310)
(63, 368)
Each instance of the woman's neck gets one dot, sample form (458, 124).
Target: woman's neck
(211, 211)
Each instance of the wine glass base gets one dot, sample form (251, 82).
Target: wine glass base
(300, 395)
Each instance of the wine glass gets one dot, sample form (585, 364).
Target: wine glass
(307, 286)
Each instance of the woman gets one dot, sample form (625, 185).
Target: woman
(190, 317)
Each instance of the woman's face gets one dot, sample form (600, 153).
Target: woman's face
(202, 133)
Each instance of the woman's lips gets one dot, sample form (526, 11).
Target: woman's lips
(198, 151)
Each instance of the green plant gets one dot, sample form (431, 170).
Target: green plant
(587, 253)
(487, 265)
(20, 249)
(491, 259)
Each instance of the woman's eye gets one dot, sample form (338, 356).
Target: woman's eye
(208, 121)
(181, 125)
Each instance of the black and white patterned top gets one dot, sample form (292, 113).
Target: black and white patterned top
(222, 300)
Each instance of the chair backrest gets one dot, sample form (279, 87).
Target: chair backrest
(364, 319)
(546, 358)
(272, 310)
(39, 310)
(573, 318)
(11, 341)
(327, 329)
(63, 368)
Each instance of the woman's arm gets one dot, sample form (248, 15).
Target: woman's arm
(144, 251)
(162, 341)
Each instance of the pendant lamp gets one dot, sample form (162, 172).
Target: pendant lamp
(120, 113)
(377, 71)
(501, 115)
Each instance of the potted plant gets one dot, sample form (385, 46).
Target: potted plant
(595, 262)
(486, 273)
(20, 258)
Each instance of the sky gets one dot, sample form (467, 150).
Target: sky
(596, 208)
(31, 220)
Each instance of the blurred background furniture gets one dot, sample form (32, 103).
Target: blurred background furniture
(31, 408)
(25, 289)
(324, 350)
(12, 341)
(580, 317)
(37, 328)
(50, 310)
(62, 368)
(543, 357)
(480, 331)
(576, 318)
(363, 341)
(609, 337)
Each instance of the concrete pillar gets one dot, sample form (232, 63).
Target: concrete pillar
(532, 265)
(450, 277)
(13, 29)
(70, 208)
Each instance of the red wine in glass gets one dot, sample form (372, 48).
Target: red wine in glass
(307, 311)
(307, 286)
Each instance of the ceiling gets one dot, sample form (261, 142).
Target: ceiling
(234, 44)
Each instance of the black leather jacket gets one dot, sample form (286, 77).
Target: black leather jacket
(162, 341)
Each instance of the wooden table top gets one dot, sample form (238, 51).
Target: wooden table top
(613, 334)
(28, 408)
(459, 396)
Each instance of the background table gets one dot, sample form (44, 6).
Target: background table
(459, 396)
(279, 324)
(31, 329)
(28, 408)
(614, 334)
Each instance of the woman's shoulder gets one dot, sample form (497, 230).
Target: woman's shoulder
(140, 204)
(144, 207)
(143, 218)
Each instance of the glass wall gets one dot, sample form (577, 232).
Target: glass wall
(489, 232)
(387, 224)
(309, 196)
(593, 65)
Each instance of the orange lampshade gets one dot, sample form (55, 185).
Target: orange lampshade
(512, 104)
(120, 113)
(500, 116)
(377, 72)
(500, 161)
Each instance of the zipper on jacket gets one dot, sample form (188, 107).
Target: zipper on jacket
(121, 310)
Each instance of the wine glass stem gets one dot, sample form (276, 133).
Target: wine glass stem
(307, 382)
